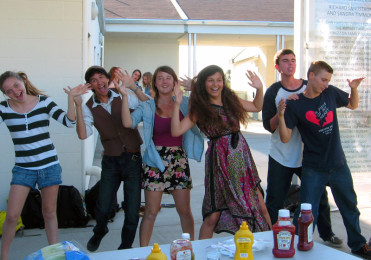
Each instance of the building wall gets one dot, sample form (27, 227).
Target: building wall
(140, 53)
(93, 54)
(45, 40)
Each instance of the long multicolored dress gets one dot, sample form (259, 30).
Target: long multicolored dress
(231, 180)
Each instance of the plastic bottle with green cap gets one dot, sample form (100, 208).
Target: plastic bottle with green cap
(244, 240)
(156, 253)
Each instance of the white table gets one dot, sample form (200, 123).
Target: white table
(319, 251)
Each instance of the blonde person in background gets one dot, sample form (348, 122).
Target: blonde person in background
(147, 84)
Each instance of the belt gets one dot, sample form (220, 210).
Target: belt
(131, 151)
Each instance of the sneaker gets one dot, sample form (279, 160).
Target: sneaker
(334, 241)
(121, 247)
(94, 242)
(364, 252)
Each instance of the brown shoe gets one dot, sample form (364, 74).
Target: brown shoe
(364, 252)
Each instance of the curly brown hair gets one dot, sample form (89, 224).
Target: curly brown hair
(199, 102)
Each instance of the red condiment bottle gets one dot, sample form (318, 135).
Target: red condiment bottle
(181, 249)
(283, 235)
(305, 223)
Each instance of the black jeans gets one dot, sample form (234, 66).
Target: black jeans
(279, 180)
(126, 168)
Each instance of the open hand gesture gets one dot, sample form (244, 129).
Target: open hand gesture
(255, 81)
(186, 82)
(293, 97)
(178, 93)
(78, 90)
(121, 88)
(355, 82)
(281, 107)
(127, 79)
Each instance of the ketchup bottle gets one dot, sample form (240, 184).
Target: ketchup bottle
(181, 249)
(305, 223)
(283, 235)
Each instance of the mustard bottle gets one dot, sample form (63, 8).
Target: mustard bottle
(156, 253)
(244, 240)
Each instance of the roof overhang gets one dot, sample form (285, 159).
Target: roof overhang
(198, 26)
(102, 25)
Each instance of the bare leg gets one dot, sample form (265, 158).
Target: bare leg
(207, 227)
(263, 209)
(182, 200)
(153, 203)
(49, 209)
(16, 200)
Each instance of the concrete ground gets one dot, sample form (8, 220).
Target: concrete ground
(167, 226)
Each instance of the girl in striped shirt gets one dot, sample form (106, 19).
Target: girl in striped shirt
(26, 113)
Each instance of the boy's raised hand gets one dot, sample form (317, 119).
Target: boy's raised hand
(281, 107)
(355, 82)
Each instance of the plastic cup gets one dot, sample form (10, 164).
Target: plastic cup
(213, 255)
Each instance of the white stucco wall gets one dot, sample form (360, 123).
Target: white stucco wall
(45, 40)
(140, 53)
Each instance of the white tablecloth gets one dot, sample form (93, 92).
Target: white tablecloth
(319, 251)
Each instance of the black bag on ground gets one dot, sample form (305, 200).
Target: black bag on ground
(91, 197)
(293, 198)
(71, 211)
(31, 215)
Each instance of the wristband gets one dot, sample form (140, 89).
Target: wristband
(136, 89)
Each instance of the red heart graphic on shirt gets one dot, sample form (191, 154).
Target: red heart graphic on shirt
(329, 118)
(311, 117)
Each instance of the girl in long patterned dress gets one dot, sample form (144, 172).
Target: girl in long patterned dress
(232, 184)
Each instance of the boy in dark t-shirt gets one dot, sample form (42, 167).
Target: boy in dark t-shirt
(285, 159)
(314, 114)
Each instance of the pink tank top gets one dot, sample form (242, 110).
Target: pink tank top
(162, 132)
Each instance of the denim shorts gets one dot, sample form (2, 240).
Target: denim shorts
(46, 177)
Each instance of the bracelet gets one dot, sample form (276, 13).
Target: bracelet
(136, 89)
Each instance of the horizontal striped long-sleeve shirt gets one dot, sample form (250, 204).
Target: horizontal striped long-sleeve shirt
(33, 147)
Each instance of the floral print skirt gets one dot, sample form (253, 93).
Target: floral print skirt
(176, 175)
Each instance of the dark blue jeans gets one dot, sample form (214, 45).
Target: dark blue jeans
(126, 168)
(313, 183)
(279, 181)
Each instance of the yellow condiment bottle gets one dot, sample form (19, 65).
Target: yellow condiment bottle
(244, 240)
(156, 253)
